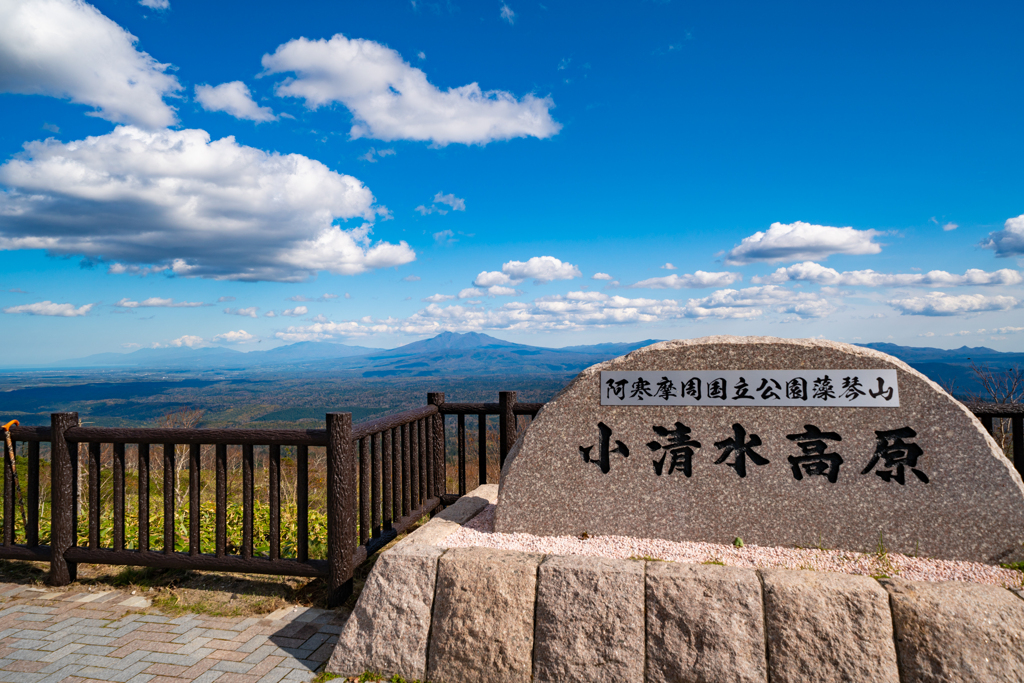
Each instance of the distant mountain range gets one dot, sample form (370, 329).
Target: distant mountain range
(475, 354)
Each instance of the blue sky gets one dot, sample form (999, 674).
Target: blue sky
(372, 173)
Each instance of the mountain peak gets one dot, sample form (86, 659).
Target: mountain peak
(453, 340)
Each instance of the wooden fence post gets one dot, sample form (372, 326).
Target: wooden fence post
(507, 426)
(63, 463)
(439, 456)
(341, 507)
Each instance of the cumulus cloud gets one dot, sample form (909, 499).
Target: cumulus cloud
(188, 340)
(437, 298)
(950, 226)
(157, 302)
(235, 99)
(1009, 241)
(50, 308)
(668, 266)
(808, 271)
(392, 100)
(691, 281)
(248, 312)
(68, 49)
(601, 276)
(176, 199)
(451, 200)
(295, 312)
(235, 337)
(804, 304)
(541, 268)
(801, 240)
(941, 304)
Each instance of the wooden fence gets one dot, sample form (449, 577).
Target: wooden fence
(381, 477)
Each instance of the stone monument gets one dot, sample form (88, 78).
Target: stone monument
(790, 442)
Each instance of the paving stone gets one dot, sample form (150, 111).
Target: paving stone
(589, 620)
(388, 629)
(483, 616)
(956, 631)
(825, 626)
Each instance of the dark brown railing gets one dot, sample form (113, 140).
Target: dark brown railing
(986, 412)
(381, 477)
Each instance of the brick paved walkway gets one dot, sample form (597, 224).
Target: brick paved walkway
(80, 636)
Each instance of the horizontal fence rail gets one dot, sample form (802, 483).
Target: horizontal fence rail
(1014, 415)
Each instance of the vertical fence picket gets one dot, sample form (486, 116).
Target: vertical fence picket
(386, 471)
(194, 487)
(221, 504)
(302, 502)
(94, 494)
(482, 447)
(422, 454)
(144, 497)
(8, 538)
(118, 476)
(170, 486)
(375, 502)
(461, 436)
(274, 479)
(414, 465)
(32, 532)
(247, 501)
(406, 471)
(428, 459)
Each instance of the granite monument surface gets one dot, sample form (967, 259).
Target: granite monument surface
(791, 442)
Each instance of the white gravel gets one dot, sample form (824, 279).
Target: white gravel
(479, 531)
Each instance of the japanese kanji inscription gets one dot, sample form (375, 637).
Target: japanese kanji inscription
(790, 442)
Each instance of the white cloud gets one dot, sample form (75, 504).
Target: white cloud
(235, 99)
(668, 266)
(801, 240)
(940, 304)
(601, 276)
(507, 14)
(391, 100)
(235, 337)
(808, 271)
(693, 281)
(157, 302)
(50, 308)
(950, 226)
(295, 312)
(213, 209)
(445, 237)
(1004, 330)
(70, 50)
(372, 154)
(451, 200)
(188, 340)
(270, 314)
(1009, 241)
(804, 304)
(541, 268)
(156, 4)
(224, 299)
(249, 312)
(470, 293)
(411, 278)
(421, 54)
(438, 298)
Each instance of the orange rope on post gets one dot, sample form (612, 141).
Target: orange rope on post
(14, 471)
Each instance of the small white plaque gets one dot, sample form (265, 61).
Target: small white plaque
(827, 388)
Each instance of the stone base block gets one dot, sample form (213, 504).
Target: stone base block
(387, 632)
(590, 620)
(483, 617)
(957, 632)
(825, 627)
(705, 624)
